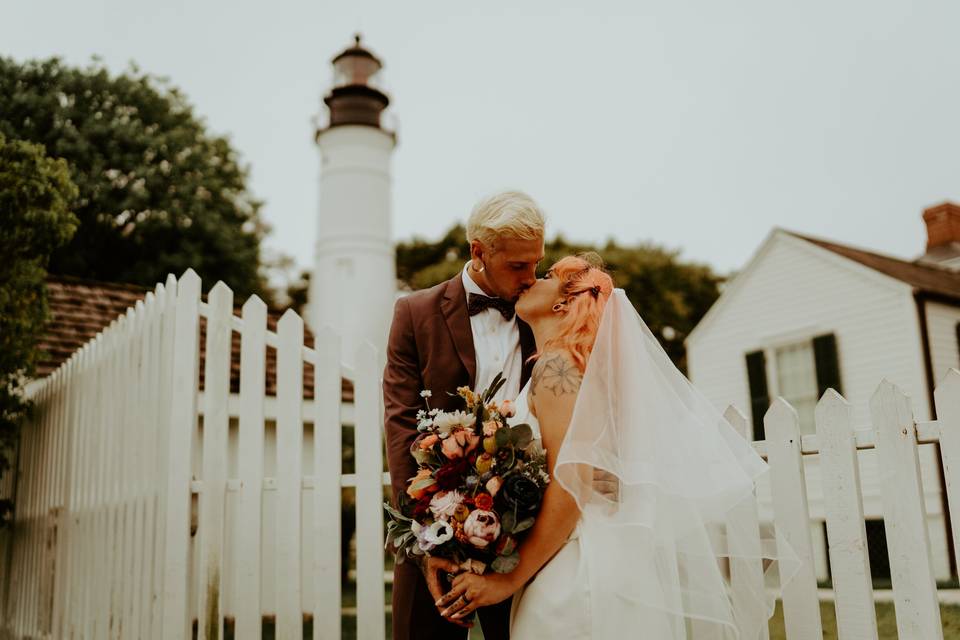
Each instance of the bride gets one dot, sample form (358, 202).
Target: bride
(637, 532)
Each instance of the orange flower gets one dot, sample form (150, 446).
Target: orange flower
(429, 441)
(483, 501)
(422, 484)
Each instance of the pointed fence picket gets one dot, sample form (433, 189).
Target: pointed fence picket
(846, 531)
(253, 345)
(914, 586)
(149, 508)
(746, 576)
(327, 469)
(801, 607)
(947, 399)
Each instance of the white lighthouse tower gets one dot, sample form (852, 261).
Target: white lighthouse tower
(353, 284)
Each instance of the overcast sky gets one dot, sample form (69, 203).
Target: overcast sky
(695, 125)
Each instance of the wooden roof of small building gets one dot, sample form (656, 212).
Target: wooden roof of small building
(80, 309)
(925, 278)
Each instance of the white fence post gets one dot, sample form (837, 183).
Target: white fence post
(327, 469)
(947, 398)
(166, 347)
(746, 576)
(289, 474)
(368, 436)
(183, 417)
(905, 515)
(846, 531)
(250, 460)
(216, 392)
(801, 608)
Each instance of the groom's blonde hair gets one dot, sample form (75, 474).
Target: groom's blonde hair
(510, 213)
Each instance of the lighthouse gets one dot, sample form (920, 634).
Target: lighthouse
(353, 283)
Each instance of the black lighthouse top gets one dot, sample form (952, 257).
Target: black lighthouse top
(355, 97)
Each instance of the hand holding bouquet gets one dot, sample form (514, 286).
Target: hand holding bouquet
(478, 487)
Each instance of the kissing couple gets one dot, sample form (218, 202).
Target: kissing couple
(635, 534)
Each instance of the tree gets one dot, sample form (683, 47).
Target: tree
(157, 192)
(35, 196)
(671, 295)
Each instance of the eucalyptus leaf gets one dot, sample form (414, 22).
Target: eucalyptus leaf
(523, 525)
(502, 437)
(508, 521)
(425, 457)
(506, 564)
(521, 435)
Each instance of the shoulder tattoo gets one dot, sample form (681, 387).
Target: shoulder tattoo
(556, 374)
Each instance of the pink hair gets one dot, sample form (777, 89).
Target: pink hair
(586, 289)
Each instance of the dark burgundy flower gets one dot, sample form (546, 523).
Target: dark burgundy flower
(521, 493)
(453, 474)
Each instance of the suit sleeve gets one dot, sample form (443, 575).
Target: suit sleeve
(402, 384)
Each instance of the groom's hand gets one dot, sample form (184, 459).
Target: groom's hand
(606, 484)
(431, 569)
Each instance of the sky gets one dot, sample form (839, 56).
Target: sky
(695, 125)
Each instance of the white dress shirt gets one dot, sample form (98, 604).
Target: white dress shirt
(496, 343)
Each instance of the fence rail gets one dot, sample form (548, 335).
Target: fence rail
(149, 508)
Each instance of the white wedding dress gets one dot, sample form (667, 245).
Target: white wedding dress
(556, 602)
(668, 557)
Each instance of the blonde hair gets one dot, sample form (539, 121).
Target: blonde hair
(510, 213)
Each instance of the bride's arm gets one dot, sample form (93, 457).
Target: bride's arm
(553, 393)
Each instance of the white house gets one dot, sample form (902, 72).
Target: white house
(807, 314)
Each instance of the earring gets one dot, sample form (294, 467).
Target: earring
(480, 270)
(557, 308)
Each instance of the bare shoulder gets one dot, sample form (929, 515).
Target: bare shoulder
(554, 376)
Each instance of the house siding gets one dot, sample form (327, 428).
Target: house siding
(942, 323)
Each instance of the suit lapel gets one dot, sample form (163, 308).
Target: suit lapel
(454, 308)
(528, 346)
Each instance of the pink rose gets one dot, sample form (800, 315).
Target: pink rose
(459, 443)
(507, 409)
(482, 528)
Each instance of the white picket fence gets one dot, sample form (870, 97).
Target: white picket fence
(144, 505)
(142, 508)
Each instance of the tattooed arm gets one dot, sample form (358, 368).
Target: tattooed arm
(554, 385)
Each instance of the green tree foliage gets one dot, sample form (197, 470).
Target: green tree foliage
(35, 219)
(157, 192)
(671, 295)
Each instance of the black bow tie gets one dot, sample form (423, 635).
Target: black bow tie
(477, 303)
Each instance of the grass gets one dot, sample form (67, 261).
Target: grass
(886, 622)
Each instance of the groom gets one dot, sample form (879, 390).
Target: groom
(460, 332)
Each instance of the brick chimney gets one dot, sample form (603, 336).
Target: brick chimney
(943, 235)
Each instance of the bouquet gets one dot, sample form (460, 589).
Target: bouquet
(478, 487)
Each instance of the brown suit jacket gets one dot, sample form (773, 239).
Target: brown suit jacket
(430, 347)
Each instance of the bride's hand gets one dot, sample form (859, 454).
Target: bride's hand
(470, 592)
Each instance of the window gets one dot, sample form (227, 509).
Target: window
(797, 380)
(801, 371)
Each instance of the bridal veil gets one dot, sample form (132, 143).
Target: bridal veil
(664, 552)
